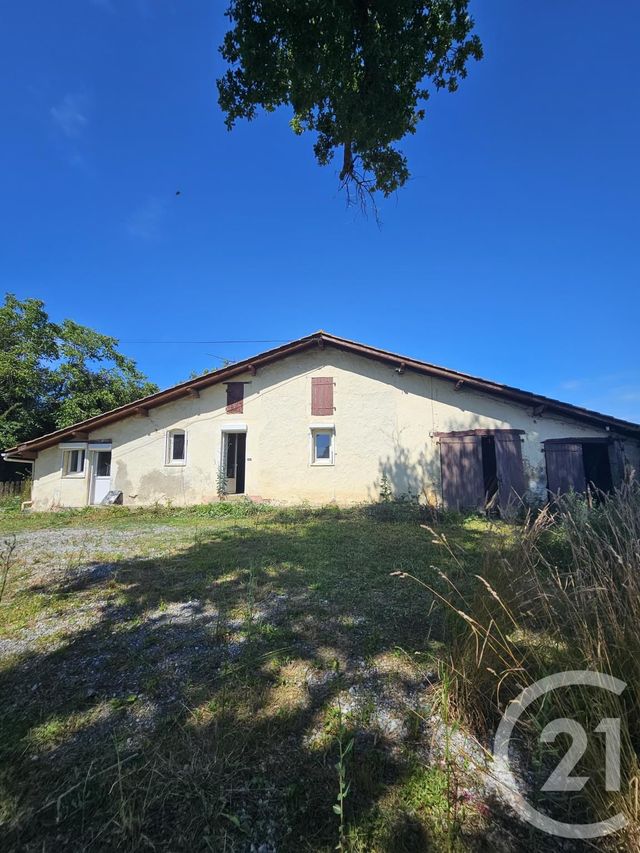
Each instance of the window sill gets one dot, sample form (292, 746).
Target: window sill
(322, 464)
(175, 464)
(73, 476)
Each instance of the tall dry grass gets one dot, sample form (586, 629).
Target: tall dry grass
(561, 592)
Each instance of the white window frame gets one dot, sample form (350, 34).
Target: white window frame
(322, 430)
(80, 471)
(168, 453)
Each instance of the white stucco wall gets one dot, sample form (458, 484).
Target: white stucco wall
(384, 423)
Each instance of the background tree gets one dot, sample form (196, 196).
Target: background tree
(27, 346)
(356, 72)
(53, 375)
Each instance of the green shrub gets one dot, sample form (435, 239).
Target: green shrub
(11, 504)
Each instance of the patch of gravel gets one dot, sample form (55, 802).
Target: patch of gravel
(182, 613)
(58, 560)
(56, 554)
(388, 698)
(378, 698)
(385, 701)
(50, 631)
(67, 539)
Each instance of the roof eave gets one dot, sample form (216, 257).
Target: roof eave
(161, 398)
(320, 338)
(494, 389)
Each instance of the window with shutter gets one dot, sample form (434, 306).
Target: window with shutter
(322, 395)
(235, 397)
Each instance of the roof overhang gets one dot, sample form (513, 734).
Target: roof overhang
(23, 460)
(537, 403)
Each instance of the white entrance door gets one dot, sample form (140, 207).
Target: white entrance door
(101, 475)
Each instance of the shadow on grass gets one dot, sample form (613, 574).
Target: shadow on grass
(201, 707)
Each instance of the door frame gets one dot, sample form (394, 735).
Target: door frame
(227, 430)
(93, 475)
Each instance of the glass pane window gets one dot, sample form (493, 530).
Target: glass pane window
(178, 446)
(232, 450)
(73, 462)
(103, 468)
(323, 447)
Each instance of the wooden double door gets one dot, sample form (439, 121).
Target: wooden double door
(578, 464)
(482, 468)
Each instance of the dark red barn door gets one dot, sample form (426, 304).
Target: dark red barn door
(616, 461)
(511, 484)
(565, 467)
(462, 480)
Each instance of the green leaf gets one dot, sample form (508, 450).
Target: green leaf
(53, 375)
(235, 820)
(355, 73)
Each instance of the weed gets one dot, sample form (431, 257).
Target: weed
(386, 492)
(221, 482)
(561, 592)
(11, 504)
(345, 745)
(7, 559)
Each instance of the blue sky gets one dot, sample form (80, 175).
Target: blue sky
(514, 253)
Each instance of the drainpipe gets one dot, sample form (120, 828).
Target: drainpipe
(8, 458)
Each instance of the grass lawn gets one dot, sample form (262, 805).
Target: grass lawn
(178, 680)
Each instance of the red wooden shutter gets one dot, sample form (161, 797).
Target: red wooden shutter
(235, 397)
(322, 395)
(462, 482)
(511, 482)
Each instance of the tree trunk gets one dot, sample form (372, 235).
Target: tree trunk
(347, 162)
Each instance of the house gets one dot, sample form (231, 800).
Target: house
(326, 419)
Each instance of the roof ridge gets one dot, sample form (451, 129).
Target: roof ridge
(283, 350)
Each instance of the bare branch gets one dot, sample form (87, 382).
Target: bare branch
(359, 188)
(8, 411)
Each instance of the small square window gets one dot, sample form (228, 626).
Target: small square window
(322, 447)
(176, 447)
(73, 463)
